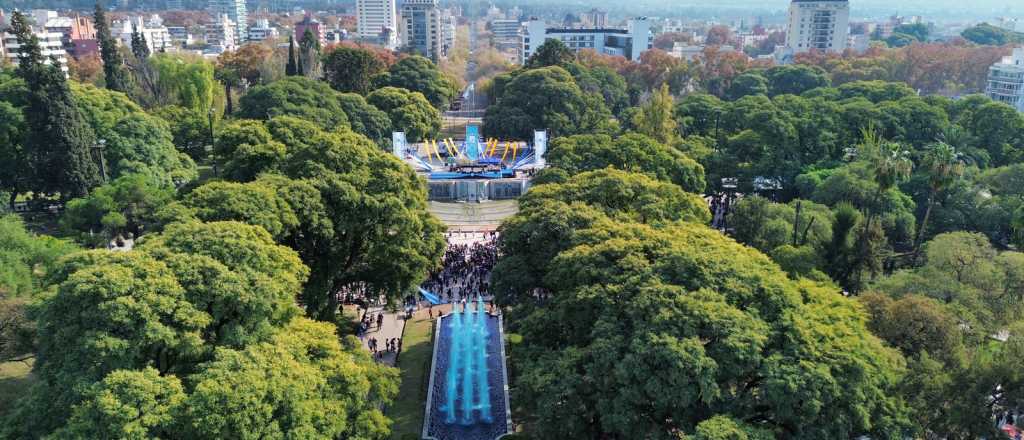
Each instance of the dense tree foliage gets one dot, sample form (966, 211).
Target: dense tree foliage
(332, 187)
(25, 261)
(114, 73)
(612, 312)
(419, 74)
(988, 34)
(631, 152)
(57, 140)
(127, 205)
(552, 52)
(545, 98)
(349, 69)
(295, 96)
(409, 111)
(195, 336)
(941, 316)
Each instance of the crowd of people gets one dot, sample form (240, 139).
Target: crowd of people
(466, 268)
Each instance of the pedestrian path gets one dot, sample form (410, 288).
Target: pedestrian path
(391, 327)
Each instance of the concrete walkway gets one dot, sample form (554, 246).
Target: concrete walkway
(391, 327)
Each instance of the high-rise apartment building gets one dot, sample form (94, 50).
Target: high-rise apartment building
(235, 10)
(51, 44)
(821, 25)
(449, 26)
(376, 21)
(220, 35)
(421, 27)
(1006, 80)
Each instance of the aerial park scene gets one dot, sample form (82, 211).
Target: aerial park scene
(467, 391)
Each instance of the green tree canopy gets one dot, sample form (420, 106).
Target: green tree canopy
(545, 98)
(749, 83)
(305, 98)
(615, 192)
(419, 74)
(552, 52)
(631, 152)
(988, 34)
(636, 310)
(366, 119)
(795, 79)
(127, 205)
(350, 69)
(409, 111)
(195, 334)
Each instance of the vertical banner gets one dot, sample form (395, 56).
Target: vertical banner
(398, 145)
(473, 142)
(540, 147)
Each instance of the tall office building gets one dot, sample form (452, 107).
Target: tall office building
(821, 25)
(376, 21)
(235, 10)
(421, 27)
(449, 25)
(1006, 80)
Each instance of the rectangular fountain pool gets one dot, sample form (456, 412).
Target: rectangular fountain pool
(467, 398)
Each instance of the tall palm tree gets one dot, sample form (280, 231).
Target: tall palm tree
(944, 166)
(890, 164)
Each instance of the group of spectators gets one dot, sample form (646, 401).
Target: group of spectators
(466, 269)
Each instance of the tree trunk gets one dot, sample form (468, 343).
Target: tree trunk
(924, 225)
(12, 199)
(228, 105)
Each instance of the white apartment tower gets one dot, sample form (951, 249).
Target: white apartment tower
(235, 10)
(374, 20)
(821, 25)
(421, 28)
(1006, 80)
(50, 42)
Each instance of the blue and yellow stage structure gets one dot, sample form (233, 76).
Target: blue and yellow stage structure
(474, 157)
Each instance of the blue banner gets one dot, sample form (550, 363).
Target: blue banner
(473, 142)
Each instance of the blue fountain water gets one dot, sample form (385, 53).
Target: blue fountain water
(480, 352)
(468, 377)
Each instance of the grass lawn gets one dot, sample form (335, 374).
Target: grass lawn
(414, 363)
(15, 378)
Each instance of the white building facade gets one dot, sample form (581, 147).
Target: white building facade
(449, 27)
(421, 28)
(220, 35)
(821, 25)
(630, 42)
(50, 42)
(376, 20)
(153, 30)
(236, 12)
(1006, 80)
(263, 31)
